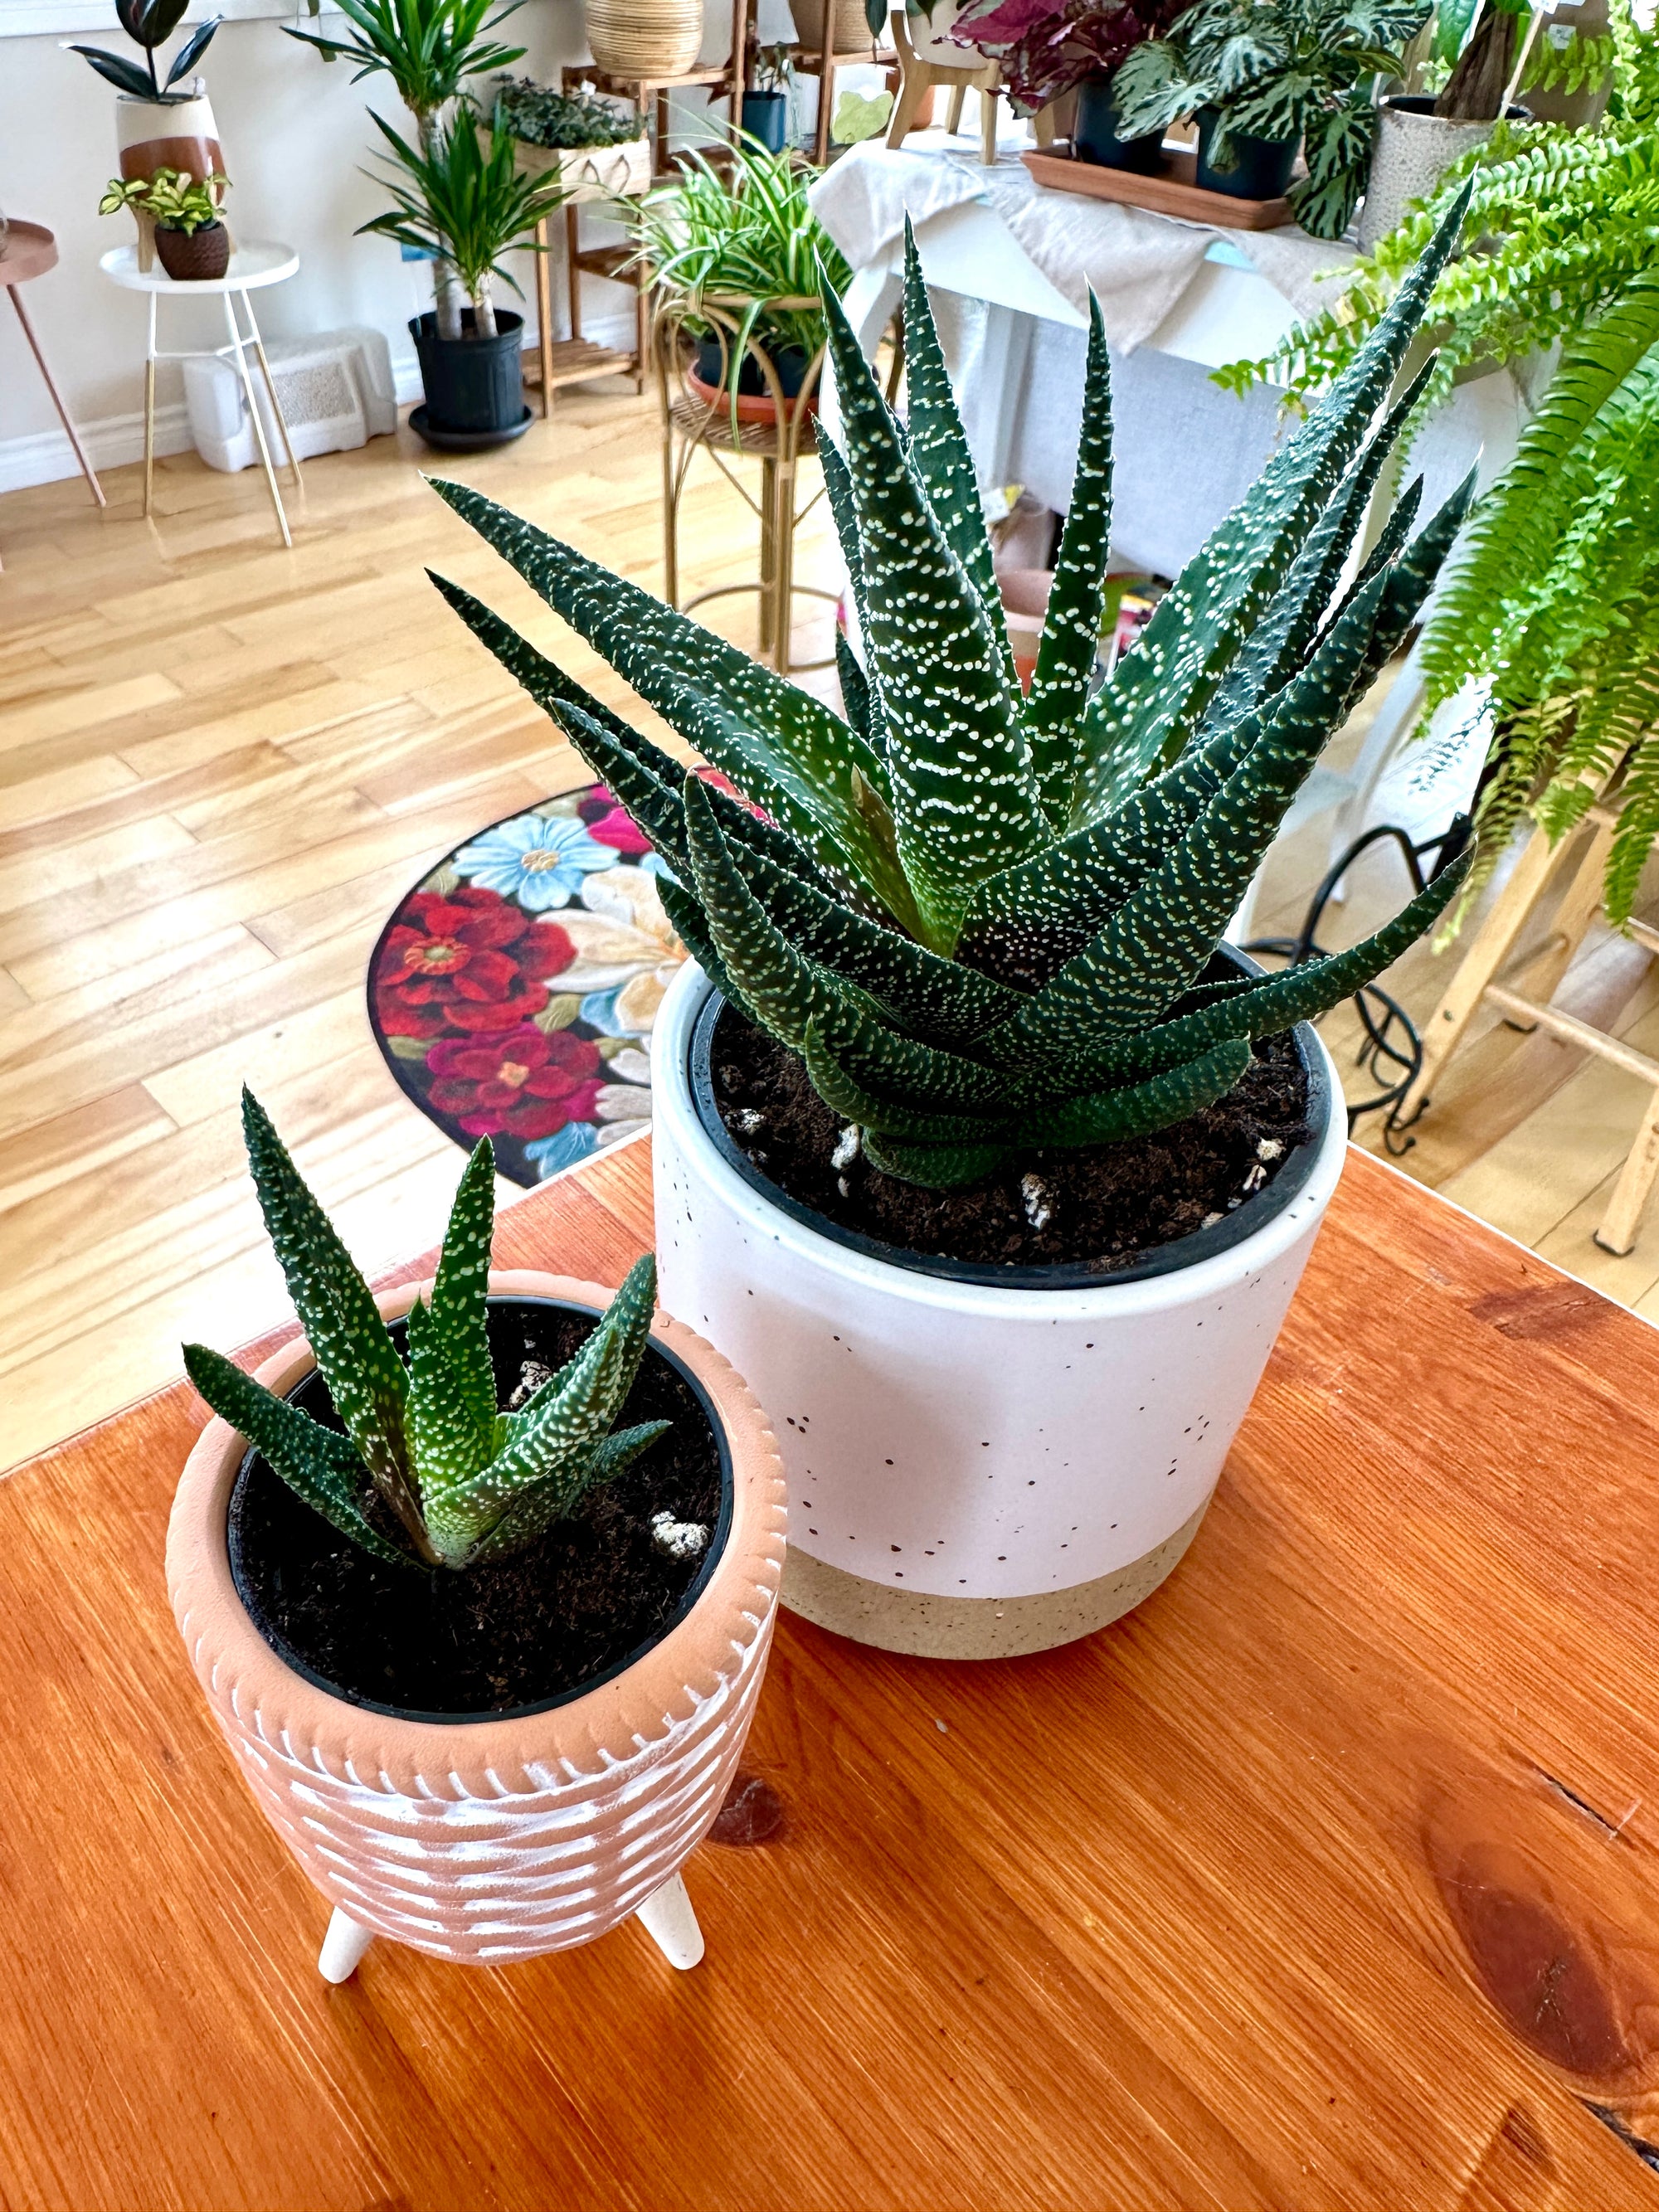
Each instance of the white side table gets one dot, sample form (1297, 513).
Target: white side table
(252, 266)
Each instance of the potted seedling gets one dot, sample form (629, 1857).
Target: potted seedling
(161, 122)
(974, 1143)
(191, 239)
(595, 150)
(1263, 77)
(465, 198)
(766, 98)
(479, 1581)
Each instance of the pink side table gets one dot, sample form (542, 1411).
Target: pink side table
(29, 250)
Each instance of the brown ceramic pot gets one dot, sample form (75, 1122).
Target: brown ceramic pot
(194, 257)
(487, 1840)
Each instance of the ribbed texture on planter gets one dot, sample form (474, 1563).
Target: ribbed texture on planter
(851, 26)
(1414, 148)
(644, 38)
(491, 1840)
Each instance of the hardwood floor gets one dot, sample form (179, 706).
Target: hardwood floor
(221, 764)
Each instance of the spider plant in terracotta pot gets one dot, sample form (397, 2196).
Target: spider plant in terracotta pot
(479, 1580)
(974, 1143)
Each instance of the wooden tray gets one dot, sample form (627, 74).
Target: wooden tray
(1174, 193)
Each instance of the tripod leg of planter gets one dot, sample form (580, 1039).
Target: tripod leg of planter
(343, 1948)
(669, 1921)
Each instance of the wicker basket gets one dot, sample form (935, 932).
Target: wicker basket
(645, 37)
(853, 33)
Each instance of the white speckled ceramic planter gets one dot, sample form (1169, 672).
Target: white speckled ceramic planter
(976, 1470)
(487, 1837)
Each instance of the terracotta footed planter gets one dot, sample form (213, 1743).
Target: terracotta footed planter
(487, 1838)
(982, 1461)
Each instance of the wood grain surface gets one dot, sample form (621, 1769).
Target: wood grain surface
(1325, 1881)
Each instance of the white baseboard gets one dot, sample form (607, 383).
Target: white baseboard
(114, 441)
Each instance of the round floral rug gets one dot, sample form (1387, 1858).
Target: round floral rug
(513, 991)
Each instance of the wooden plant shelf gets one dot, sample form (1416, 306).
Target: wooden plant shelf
(1173, 193)
(574, 361)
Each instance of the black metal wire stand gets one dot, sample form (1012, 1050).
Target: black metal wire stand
(1391, 1050)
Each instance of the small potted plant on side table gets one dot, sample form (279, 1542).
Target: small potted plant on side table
(973, 1142)
(595, 148)
(444, 1608)
(466, 201)
(191, 239)
(159, 122)
(1047, 51)
(1263, 77)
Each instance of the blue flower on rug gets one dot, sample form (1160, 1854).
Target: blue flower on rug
(537, 859)
(575, 1141)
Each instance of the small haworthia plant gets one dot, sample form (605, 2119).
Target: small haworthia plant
(984, 920)
(465, 1483)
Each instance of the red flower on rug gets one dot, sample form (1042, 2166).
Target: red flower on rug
(609, 823)
(469, 961)
(524, 1084)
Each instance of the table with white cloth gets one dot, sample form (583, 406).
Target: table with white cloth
(1009, 265)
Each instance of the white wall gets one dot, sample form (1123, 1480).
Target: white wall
(295, 134)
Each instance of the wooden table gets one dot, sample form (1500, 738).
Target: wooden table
(1327, 1880)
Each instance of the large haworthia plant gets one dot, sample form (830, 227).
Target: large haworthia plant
(984, 920)
(466, 1483)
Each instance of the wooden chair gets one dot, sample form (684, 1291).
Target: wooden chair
(919, 73)
(1477, 982)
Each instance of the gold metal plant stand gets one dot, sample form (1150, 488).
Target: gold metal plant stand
(778, 430)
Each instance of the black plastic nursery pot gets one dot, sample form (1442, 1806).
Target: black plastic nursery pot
(1095, 134)
(1261, 167)
(1251, 1215)
(766, 116)
(474, 386)
(194, 257)
(789, 364)
(358, 1615)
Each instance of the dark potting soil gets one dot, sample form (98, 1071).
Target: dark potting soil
(1105, 1205)
(588, 1593)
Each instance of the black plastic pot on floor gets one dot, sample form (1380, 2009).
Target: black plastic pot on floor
(474, 386)
(1261, 167)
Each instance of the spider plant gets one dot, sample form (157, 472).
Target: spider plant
(737, 228)
(465, 203)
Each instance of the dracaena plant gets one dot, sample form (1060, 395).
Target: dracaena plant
(149, 24)
(985, 919)
(465, 1482)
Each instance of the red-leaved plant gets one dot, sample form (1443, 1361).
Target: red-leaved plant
(1046, 47)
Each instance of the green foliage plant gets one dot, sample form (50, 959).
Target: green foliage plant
(174, 200)
(1560, 222)
(738, 227)
(984, 919)
(1279, 69)
(468, 203)
(1555, 601)
(151, 23)
(540, 116)
(465, 1484)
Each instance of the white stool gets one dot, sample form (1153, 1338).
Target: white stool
(251, 267)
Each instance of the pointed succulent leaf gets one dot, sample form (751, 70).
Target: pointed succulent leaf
(1157, 942)
(838, 490)
(566, 1428)
(318, 1464)
(357, 1358)
(937, 1167)
(1159, 690)
(690, 925)
(648, 786)
(447, 1442)
(958, 767)
(462, 1286)
(939, 450)
(909, 1124)
(1410, 579)
(855, 693)
(1291, 621)
(1071, 628)
(535, 1510)
(1110, 1116)
(781, 746)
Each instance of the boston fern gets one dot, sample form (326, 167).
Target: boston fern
(466, 1484)
(983, 920)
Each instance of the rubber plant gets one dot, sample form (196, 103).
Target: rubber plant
(462, 1483)
(985, 919)
(149, 24)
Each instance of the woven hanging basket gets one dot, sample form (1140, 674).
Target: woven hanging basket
(645, 37)
(852, 34)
